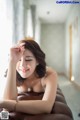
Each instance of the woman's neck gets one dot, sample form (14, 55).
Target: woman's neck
(32, 77)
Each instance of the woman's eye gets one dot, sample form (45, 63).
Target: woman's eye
(29, 60)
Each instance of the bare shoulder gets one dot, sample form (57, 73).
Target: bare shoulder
(51, 76)
(50, 71)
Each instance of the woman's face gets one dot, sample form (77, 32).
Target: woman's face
(27, 64)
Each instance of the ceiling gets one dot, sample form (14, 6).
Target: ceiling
(51, 12)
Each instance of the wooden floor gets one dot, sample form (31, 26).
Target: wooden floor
(72, 95)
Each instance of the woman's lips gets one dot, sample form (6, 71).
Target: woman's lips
(24, 70)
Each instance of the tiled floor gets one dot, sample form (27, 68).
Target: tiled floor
(72, 95)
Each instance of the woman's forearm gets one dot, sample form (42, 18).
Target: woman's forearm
(10, 91)
(33, 107)
(28, 106)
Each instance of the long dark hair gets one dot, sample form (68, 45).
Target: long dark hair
(39, 55)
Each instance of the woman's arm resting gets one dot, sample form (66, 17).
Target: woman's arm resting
(33, 106)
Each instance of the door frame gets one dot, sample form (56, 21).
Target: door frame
(70, 55)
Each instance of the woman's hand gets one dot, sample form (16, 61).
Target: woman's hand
(16, 52)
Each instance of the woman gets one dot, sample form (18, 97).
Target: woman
(27, 61)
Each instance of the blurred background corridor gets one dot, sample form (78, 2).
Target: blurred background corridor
(56, 28)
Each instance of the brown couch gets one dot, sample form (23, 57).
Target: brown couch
(60, 110)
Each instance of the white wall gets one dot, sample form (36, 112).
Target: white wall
(38, 31)
(36, 25)
(53, 44)
(6, 37)
(74, 20)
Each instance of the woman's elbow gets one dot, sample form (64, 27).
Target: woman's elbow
(48, 108)
(47, 111)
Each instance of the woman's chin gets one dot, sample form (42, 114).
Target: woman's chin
(24, 76)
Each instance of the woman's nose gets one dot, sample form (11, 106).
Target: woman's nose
(23, 63)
